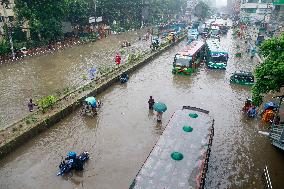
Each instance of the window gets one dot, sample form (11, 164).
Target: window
(219, 59)
(266, 1)
(252, 1)
(183, 62)
(250, 10)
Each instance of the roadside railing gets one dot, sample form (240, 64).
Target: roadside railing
(266, 178)
(207, 156)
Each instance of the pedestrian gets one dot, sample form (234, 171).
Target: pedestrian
(31, 105)
(277, 120)
(159, 116)
(117, 59)
(151, 103)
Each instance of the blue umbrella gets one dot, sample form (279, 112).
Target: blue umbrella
(270, 105)
(91, 100)
(160, 107)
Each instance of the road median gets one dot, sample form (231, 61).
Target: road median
(30, 126)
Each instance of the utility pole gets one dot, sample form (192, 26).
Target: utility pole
(9, 26)
(95, 2)
(142, 23)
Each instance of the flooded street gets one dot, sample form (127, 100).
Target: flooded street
(120, 138)
(43, 75)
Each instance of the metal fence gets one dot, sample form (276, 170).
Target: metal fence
(266, 178)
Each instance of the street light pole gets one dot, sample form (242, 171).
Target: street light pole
(142, 23)
(95, 2)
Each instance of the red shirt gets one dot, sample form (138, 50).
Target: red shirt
(117, 59)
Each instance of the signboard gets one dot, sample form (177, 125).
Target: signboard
(99, 19)
(263, 11)
(93, 19)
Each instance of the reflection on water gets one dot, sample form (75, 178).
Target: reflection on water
(120, 138)
(43, 75)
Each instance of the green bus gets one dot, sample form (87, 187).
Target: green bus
(187, 61)
(216, 56)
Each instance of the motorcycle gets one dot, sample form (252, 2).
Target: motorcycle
(124, 78)
(90, 110)
(73, 163)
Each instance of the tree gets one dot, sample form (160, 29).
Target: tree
(44, 17)
(270, 74)
(202, 10)
(78, 11)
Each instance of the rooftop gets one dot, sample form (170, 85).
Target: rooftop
(214, 45)
(175, 160)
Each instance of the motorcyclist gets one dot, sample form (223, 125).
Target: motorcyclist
(252, 111)
(124, 78)
(248, 105)
(74, 160)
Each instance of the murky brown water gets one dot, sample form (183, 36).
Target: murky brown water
(124, 132)
(43, 75)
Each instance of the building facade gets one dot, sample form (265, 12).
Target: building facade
(7, 16)
(256, 10)
(190, 8)
(233, 7)
(278, 11)
(276, 24)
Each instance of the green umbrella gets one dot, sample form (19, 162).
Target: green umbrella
(160, 107)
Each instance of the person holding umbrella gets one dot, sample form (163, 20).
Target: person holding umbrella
(159, 107)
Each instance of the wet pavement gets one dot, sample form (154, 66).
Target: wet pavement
(120, 138)
(39, 76)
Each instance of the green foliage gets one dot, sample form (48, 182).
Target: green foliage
(45, 17)
(47, 102)
(134, 57)
(202, 10)
(78, 11)
(31, 119)
(105, 70)
(164, 44)
(4, 47)
(18, 34)
(270, 74)
(122, 51)
(84, 77)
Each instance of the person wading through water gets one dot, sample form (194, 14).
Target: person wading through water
(151, 103)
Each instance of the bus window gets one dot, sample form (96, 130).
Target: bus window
(219, 59)
(183, 62)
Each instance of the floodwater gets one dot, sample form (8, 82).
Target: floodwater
(120, 138)
(43, 75)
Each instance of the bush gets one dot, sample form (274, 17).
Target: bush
(31, 119)
(47, 102)
(4, 48)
